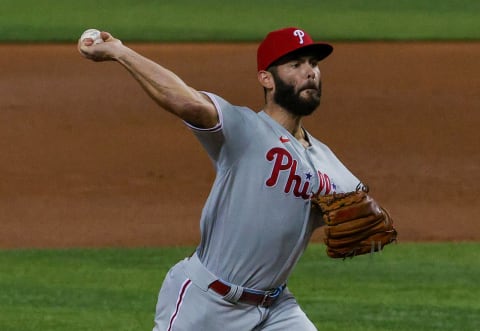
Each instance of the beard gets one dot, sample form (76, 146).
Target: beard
(291, 100)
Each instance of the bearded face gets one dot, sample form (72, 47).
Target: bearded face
(293, 100)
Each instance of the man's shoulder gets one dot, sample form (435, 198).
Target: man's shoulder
(225, 106)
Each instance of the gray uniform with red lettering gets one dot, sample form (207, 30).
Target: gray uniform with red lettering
(255, 224)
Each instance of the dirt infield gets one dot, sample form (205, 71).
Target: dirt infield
(87, 159)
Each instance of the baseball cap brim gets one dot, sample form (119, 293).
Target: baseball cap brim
(319, 50)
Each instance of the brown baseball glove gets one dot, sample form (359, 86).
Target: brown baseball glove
(354, 223)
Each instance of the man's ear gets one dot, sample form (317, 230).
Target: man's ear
(266, 79)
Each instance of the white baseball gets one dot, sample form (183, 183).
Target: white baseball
(93, 34)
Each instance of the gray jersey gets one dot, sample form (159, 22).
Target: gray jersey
(257, 219)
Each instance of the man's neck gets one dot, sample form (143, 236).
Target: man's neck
(290, 122)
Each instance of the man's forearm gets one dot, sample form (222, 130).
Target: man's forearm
(163, 86)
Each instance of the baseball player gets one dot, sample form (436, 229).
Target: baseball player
(257, 220)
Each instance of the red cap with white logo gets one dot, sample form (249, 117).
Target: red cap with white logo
(281, 42)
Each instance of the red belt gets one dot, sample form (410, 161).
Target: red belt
(263, 299)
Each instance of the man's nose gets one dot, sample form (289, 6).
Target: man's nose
(313, 74)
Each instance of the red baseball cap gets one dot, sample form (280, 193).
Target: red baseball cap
(281, 42)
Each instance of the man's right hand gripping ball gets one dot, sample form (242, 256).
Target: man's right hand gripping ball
(354, 223)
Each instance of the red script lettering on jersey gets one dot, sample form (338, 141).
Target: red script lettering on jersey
(283, 161)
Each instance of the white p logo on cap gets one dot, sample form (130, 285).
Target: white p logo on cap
(299, 34)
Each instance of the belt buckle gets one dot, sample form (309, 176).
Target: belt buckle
(270, 297)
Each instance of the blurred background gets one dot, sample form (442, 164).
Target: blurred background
(96, 181)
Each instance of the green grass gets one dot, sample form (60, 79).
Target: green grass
(105, 289)
(246, 20)
(406, 287)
